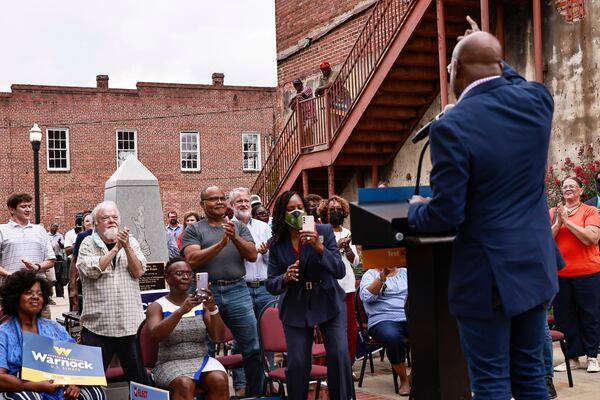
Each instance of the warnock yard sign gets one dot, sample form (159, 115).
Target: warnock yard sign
(66, 363)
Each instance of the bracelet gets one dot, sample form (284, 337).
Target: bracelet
(215, 311)
(39, 267)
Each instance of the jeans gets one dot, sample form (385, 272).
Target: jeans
(260, 298)
(548, 352)
(235, 306)
(392, 334)
(505, 354)
(577, 313)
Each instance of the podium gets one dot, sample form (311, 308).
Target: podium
(379, 221)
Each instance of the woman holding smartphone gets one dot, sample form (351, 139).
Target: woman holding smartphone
(179, 323)
(304, 266)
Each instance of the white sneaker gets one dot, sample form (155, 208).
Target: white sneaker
(592, 365)
(574, 365)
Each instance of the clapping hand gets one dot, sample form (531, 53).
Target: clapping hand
(563, 215)
(262, 248)
(123, 238)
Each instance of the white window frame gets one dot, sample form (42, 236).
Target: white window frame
(181, 150)
(68, 167)
(135, 144)
(259, 161)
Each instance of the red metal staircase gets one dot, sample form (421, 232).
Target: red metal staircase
(388, 81)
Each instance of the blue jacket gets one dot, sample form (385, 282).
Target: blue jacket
(489, 155)
(299, 306)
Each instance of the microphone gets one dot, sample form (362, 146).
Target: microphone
(424, 131)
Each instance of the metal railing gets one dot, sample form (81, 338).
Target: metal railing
(316, 121)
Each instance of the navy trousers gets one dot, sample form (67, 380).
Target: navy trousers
(299, 348)
(505, 355)
(577, 313)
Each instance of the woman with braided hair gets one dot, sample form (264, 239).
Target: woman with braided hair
(304, 267)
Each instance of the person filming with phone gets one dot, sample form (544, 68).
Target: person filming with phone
(179, 323)
(304, 266)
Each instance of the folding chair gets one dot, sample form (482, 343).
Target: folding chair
(272, 340)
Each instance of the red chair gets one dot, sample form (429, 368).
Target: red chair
(147, 347)
(559, 337)
(230, 361)
(371, 345)
(272, 340)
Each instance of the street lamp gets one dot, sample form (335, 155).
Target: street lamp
(35, 137)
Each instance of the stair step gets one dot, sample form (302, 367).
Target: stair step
(361, 135)
(412, 59)
(406, 86)
(396, 99)
(416, 74)
(388, 112)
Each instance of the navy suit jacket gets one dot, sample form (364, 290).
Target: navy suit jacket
(298, 306)
(489, 155)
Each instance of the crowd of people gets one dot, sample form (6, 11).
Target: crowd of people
(511, 266)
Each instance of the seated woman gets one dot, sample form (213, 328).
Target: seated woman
(179, 322)
(383, 292)
(24, 295)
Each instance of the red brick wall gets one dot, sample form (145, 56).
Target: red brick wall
(294, 18)
(93, 116)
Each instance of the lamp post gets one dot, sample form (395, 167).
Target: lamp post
(35, 137)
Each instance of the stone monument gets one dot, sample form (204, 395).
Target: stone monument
(135, 191)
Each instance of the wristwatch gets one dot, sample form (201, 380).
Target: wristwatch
(39, 267)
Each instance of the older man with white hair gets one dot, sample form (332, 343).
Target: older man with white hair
(110, 264)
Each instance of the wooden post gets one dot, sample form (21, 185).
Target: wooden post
(500, 24)
(305, 188)
(441, 35)
(485, 15)
(330, 181)
(537, 41)
(374, 175)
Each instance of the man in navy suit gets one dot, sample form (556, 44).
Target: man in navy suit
(488, 155)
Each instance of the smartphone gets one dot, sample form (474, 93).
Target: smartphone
(308, 223)
(201, 281)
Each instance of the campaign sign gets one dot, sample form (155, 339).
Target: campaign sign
(66, 363)
(137, 391)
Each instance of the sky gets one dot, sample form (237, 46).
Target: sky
(69, 42)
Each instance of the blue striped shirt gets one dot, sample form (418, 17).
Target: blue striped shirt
(390, 305)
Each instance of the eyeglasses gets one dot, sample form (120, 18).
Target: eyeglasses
(180, 274)
(262, 214)
(336, 209)
(570, 187)
(383, 289)
(215, 199)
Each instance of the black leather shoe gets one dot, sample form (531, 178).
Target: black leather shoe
(551, 389)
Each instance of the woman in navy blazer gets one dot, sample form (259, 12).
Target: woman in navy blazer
(304, 268)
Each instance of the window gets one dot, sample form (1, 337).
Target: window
(189, 150)
(57, 144)
(126, 145)
(251, 150)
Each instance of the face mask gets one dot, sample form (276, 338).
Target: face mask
(336, 218)
(294, 218)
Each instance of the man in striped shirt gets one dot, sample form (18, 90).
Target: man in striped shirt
(23, 244)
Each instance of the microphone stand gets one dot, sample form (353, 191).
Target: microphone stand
(419, 167)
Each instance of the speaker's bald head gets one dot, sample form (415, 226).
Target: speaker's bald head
(477, 56)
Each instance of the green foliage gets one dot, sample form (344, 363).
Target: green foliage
(585, 168)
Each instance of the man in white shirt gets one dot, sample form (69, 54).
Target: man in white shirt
(256, 272)
(23, 244)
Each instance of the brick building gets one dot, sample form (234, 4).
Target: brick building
(309, 32)
(188, 135)
(387, 54)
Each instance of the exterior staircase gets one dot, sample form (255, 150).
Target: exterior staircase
(388, 81)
